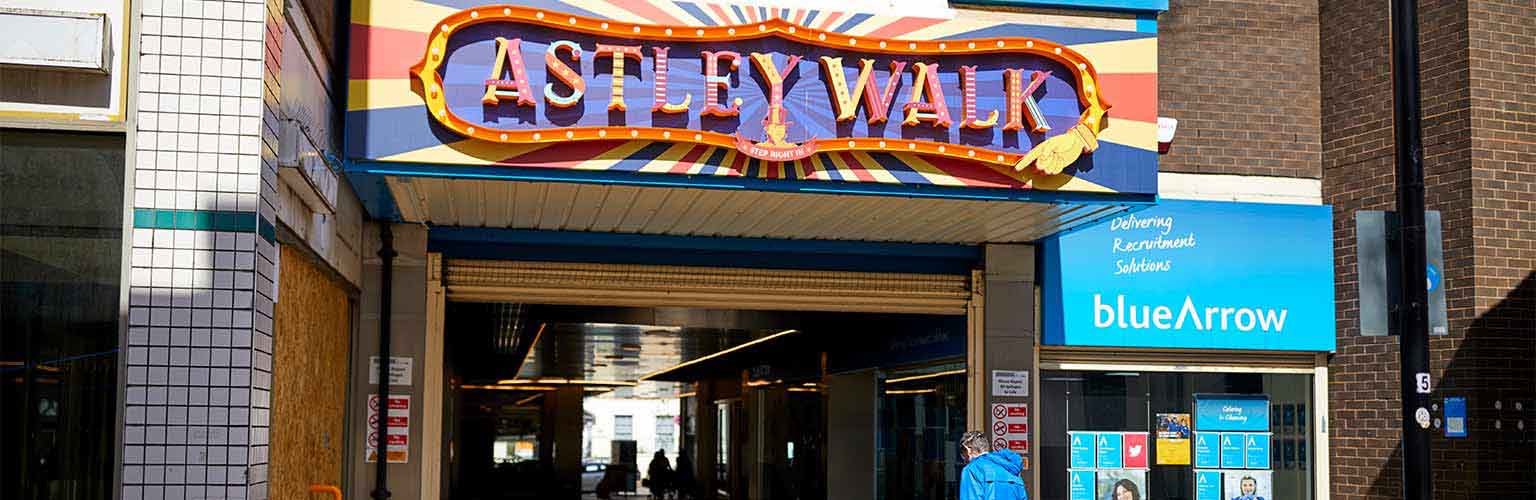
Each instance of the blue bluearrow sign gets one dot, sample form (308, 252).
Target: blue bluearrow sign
(1188, 274)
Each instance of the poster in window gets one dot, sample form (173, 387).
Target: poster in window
(1134, 446)
(1122, 484)
(1208, 485)
(1246, 485)
(1232, 412)
(1232, 452)
(1206, 454)
(1290, 454)
(1080, 484)
(1108, 444)
(1082, 450)
(1173, 433)
(1257, 450)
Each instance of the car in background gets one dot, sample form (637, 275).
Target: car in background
(591, 474)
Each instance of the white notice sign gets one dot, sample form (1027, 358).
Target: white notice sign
(1010, 383)
(399, 370)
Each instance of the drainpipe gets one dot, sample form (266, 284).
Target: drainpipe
(387, 258)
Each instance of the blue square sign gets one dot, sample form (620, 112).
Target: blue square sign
(1082, 449)
(1207, 485)
(1108, 444)
(1206, 454)
(1456, 417)
(1080, 485)
(1257, 446)
(1232, 450)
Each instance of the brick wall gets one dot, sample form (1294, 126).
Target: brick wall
(1242, 79)
(1475, 175)
(1502, 60)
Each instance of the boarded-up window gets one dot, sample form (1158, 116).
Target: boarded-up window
(313, 322)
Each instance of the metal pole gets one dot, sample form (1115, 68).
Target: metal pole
(387, 258)
(1414, 319)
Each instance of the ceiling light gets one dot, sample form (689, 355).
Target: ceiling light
(507, 387)
(566, 381)
(648, 376)
(911, 391)
(925, 376)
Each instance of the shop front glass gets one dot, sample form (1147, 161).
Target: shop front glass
(922, 415)
(1130, 435)
(61, 248)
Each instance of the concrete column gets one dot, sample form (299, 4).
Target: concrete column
(851, 422)
(1008, 337)
(562, 429)
(408, 338)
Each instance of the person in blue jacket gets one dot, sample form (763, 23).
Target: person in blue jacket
(989, 475)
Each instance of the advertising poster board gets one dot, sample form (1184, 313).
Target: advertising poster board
(1173, 433)
(1135, 446)
(1080, 484)
(1206, 453)
(1247, 485)
(1208, 485)
(1232, 413)
(1232, 453)
(1109, 450)
(1113, 483)
(1082, 450)
(1257, 450)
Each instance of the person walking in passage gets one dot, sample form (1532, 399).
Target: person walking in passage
(660, 472)
(988, 474)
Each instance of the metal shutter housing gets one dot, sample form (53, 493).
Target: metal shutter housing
(637, 285)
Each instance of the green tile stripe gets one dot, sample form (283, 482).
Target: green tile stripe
(200, 220)
(267, 230)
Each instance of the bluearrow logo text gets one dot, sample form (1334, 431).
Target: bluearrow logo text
(1208, 318)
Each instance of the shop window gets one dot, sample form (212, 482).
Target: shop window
(1174, 436)
(623, 427)
(61, 251)
(666, 431)
(922, 415)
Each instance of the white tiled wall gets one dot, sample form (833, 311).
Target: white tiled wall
(200, 324)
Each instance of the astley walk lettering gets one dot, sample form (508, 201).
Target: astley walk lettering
(773, 90)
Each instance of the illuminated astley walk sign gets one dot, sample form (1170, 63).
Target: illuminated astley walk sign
(774, 90)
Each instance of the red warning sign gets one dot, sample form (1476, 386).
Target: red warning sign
(1010, 427)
